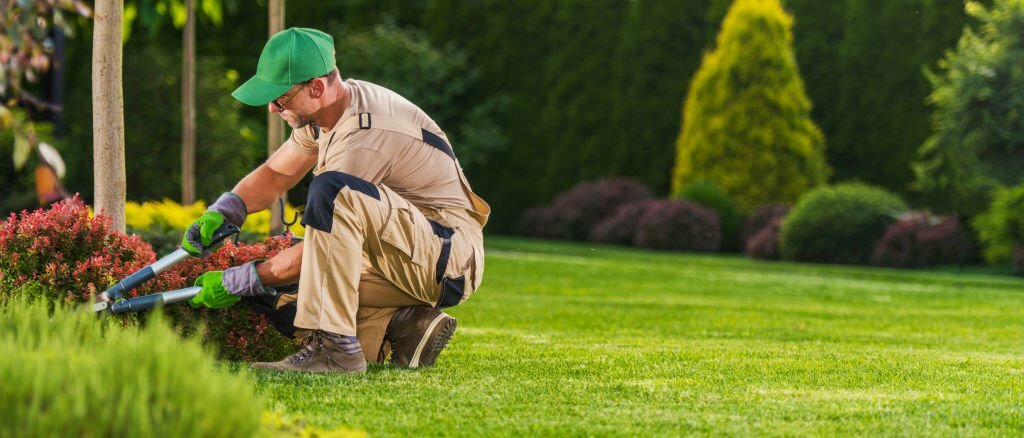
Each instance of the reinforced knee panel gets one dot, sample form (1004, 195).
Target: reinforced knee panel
(324, 190)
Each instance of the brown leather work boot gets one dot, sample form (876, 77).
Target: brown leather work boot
(322, 352)
(417, 335)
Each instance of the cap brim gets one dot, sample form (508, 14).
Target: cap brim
(256, 92)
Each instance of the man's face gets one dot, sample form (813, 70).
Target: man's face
(294, 106)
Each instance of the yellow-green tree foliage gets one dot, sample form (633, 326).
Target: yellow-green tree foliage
(746, 123)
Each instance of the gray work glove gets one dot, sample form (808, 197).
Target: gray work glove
(242, 281)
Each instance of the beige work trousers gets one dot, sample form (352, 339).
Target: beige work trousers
(372, 252)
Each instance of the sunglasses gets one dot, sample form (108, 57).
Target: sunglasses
(287, 98)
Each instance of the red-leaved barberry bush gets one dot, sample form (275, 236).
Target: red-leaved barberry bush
(761, 232)
(620, 227)
(573, 214)
(73, 257)
(764, 245)
(918, 239)
(678, 225)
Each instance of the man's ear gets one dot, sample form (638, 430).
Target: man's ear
(317, 87)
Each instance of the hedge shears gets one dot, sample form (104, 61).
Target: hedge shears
(108, 298)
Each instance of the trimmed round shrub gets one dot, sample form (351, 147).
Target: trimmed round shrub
(918, 239)
(764, 244)
(620, 227)
(764, 216)
(574, 213)
(67, 373)
(711, 196)
(678, 225)
(839, 224)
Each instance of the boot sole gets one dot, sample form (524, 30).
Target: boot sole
(271, 366)
(427, 351)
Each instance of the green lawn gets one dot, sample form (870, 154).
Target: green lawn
(573, 339)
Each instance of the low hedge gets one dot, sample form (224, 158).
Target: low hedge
(169, 217)
(67, 373)
(761, 218)
(839, 224)
(764, 245)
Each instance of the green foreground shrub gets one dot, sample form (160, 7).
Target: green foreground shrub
(67, 373)
(839, 224)
(1002, 225)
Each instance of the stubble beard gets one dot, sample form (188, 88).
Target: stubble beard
(297, 121)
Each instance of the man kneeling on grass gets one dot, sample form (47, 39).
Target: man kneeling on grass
(393, 229)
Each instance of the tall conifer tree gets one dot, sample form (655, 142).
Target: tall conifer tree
(746, 124)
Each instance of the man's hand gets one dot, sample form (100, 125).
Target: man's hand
(200, 234)
(214, 295)
(228, 208)
(222, 289)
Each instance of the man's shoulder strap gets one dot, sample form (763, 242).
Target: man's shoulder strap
(384, 122)
(436, 140)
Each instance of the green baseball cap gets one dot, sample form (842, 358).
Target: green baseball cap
(292, 56)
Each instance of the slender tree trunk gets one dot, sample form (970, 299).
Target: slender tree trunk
(275, 126)
(108, 112)
(188, 107)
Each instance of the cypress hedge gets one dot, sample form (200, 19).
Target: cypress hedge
(661, 42)
(881, 111)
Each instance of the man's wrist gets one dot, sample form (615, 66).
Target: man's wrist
(242, 281)
(232, 207)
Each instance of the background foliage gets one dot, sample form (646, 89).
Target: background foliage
(567, 111)
(432, 78)
(876, 117)
(553, 92)
(979, 126)
(1001, 226)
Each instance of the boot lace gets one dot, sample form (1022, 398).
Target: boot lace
(310, 346)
